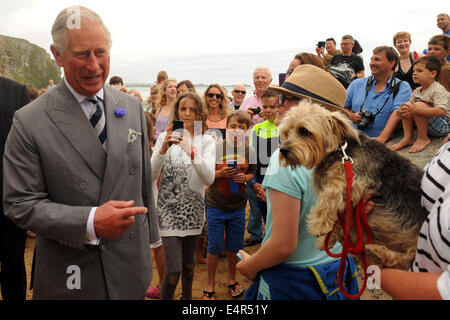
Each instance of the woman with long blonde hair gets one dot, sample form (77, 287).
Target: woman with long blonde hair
(168, 96)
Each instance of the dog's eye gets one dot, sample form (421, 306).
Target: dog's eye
(304, 132)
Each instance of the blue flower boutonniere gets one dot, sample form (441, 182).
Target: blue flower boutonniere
(120, 112)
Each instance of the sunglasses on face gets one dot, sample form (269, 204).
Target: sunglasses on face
(212, 95)
(240, 91)
(282, 98)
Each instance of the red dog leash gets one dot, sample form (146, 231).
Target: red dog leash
(356, 217)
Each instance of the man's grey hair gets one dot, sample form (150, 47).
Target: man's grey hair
(263, 69)
(443, 14)
(65, 20)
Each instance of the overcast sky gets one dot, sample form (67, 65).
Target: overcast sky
(223, 41)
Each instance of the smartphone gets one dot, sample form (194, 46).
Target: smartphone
(233, 164)
(178, 125)
(239, 256)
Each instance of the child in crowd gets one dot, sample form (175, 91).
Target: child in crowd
(226, 200)
(439, 46)
(265, 140)
(428, 108)
(186, 164)
(156, 248)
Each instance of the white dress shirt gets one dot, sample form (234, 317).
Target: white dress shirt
(88, 109)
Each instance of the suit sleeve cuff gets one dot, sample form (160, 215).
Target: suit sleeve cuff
(91, 237)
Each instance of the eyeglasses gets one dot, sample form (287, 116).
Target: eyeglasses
(282, 98)
(217, 95)
(240, 91)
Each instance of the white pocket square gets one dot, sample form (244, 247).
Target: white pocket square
(133, 135)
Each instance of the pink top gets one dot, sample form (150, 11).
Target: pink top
(221, 124)
(250, 103)
(217, 129)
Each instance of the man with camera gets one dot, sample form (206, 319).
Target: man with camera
(371, 101)
(330, 46)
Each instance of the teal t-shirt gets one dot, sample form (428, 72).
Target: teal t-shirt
(296, 183)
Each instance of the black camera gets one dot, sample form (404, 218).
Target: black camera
(256, 110)
(320, 44)
(367, 119)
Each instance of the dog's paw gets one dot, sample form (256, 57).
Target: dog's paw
(387, 258)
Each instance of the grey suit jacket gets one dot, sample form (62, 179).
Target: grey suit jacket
(55, 170)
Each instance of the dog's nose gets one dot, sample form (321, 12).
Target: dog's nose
(285, 151)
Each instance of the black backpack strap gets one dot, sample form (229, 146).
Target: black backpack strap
(396, 89)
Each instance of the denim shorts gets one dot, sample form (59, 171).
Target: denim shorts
(438, 126)
(220, 222)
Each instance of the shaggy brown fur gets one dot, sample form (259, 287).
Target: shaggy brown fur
(311, 136)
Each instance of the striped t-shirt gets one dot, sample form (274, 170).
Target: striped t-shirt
(436, 177)
(433, 246)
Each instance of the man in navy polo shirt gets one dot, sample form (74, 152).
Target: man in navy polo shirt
(380, 94)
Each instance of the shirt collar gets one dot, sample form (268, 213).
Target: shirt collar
(388, 82)
(80, 98)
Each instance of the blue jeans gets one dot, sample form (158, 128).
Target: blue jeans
(254, 225)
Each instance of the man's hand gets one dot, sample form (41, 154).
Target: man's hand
(113, 218)
(355, 116)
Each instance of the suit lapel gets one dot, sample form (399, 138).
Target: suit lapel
(117, 141)
(70, 119)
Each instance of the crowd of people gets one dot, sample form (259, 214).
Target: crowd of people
(105, 179)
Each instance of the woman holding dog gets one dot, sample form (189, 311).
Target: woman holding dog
(288, 249)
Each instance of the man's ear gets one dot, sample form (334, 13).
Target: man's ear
(57, 55)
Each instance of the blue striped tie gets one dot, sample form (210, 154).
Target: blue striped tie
(98, 120)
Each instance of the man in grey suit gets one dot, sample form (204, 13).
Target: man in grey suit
(77, 173)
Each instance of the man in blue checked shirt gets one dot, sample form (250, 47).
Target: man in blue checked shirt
(372, 101)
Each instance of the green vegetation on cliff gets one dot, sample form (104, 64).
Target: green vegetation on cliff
(27, 63)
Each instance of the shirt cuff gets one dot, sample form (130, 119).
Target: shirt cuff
(443, 284)
(91, 237)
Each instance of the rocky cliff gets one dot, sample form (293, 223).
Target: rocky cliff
(26, 63)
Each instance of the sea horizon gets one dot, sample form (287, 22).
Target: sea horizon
(144, 89)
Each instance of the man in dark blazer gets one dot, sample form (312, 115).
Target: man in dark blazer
(13, 280)
(77, 173)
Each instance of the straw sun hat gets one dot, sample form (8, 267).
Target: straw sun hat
(308, 81)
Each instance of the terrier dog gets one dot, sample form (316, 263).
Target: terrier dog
(311, 137)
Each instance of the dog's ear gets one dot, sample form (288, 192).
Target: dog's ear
(342, 127)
